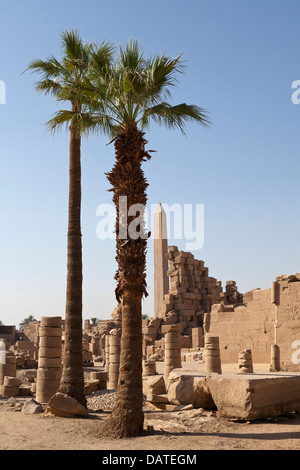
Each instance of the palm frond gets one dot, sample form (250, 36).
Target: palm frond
(131, 58)
(48, 87)
(102, 56)
(72, 44)
(49, 68)
(174, 116)
(59, 120)
(162, 74)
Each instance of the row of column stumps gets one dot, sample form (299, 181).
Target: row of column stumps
(49, 358)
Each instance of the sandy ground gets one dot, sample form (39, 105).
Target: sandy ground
(189, 430)
(172, 431)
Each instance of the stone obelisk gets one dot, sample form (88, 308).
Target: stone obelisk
(161, 280)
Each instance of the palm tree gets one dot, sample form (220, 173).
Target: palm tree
(26, 321)
(130, 95)
(95, 321)
(65, 80)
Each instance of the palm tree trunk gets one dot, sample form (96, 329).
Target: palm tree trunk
(127, 179)
(72, 380)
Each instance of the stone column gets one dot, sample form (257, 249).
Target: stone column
(206, 323)
(275, 358)
(149, 368)
(212, 355)
(245, 362)
(275, 300)
(114, 359)
(161, 280)
(172, 348)
(106, 353)
(11, 387)
(102, 347)
(197, 337)
(49, 361)
(8, 366)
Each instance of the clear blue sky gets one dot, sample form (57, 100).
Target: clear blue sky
(241, 58)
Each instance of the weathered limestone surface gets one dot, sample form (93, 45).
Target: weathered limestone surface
(268, 318)
(155, 385)
(255, 397)
(287, 322)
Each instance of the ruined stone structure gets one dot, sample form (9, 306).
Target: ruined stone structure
(231, 295)
(192, 291)
(194, 320)
(267, 318)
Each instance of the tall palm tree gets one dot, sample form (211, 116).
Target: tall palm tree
(65, 80)
(130, 95)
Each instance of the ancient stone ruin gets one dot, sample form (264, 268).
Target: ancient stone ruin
(196, 332)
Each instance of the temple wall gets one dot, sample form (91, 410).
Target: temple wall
(288, 325)
(260, 323)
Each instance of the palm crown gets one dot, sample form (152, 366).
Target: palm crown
(66, 79)
(135, 90)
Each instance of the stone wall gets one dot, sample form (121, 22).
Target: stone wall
(31, 332)
(265, 318)
(250, 326)
(287, 321)
(192, 291)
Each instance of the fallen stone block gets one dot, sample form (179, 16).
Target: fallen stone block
(61, 404)
(32, 407)
(256, 396)
(157, 398)
(25, 391)
(188, 389)
(91, 386)
(154, 385)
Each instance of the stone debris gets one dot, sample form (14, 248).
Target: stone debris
(32, 407)
(104, 400)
